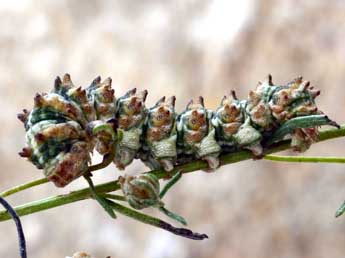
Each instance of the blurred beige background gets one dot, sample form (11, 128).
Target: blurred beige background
(187, 48)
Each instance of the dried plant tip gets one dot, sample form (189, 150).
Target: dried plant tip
(184, 232)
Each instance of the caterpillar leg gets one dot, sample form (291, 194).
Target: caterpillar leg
(167, 164)
(124, 157)
(301, 139)
(153, 163)
(256, 149)
(213, 163)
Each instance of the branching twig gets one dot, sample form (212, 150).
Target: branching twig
(156, 222)
(83, 194)
(23, 187)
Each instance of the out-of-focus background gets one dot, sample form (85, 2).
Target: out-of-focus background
(183, 48)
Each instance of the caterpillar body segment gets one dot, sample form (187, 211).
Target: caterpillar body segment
(196, 135)
(160, 135)
(131, 115)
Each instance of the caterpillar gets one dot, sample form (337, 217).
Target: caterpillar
(67, 124)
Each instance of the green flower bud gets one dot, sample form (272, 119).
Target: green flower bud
(141, 191)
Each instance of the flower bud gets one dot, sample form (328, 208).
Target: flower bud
(141, 191)
(80, 255)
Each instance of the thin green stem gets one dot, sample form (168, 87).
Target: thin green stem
(173, 216)
(114, 197)
(305, 159)
(101, 200)
(59, 200)
(22, 187)
(170, 184)
(82, 194)
(162, 209)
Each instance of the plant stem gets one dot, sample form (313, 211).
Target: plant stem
(114, 197)
(101, 200)
(82, 194)
(155, 222)
(305, 159)
(59, 200)
(170, 184)
(22, 187)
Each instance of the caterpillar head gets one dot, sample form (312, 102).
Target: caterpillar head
(57, 136)
(295, 99)
(68, 165)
